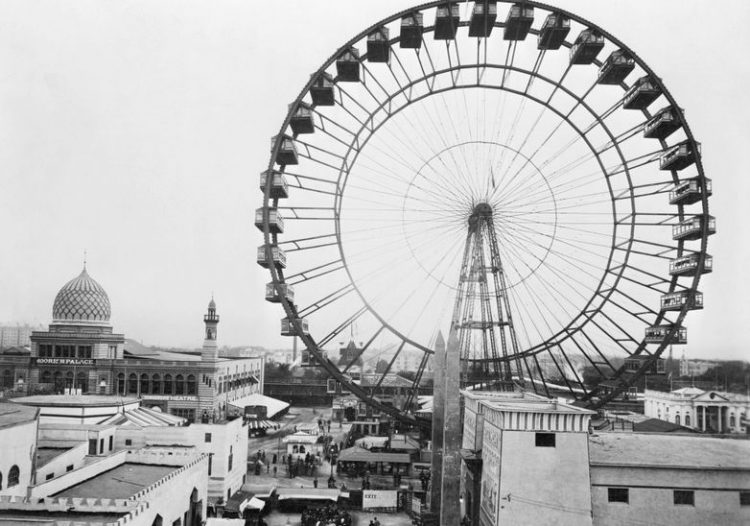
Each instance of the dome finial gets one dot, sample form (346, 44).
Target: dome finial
(84, 259)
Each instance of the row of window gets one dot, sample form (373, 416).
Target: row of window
(13, 477)
(157, 384)
(66, 381)
(680, 497)
(47, 350)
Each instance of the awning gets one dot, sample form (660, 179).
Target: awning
(272, 405)
(262, 424)
(253, 503)
(357, 454)
(308, 494)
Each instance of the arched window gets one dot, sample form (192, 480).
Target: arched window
(302, 449)
(677, 419)
(157, 520)
(144, 384)
(13, 476)
(68, 379)
(179, 385)
(168, 384)
(732, 421)
(47, 377)
(156, 384)
(132, 384)
(687, 420)
(192, 387)
(82, 382)
(121, 383)
(58, 380)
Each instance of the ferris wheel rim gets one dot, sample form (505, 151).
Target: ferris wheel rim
(271, 238)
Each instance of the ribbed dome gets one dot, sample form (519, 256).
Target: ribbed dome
(81, 300)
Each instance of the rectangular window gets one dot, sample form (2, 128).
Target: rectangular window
(69, 468)
(111, 442)
(207, 438)
(128, 442)
(49, 476)
(101, 446)
(618, 495)
(545, 440)
(210, 463)
(744, 498)
(684, 497)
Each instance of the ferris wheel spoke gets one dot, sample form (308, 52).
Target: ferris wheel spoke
(317, 271)
(363, 349)
(308, 243)
(326, 300)
(343, 325)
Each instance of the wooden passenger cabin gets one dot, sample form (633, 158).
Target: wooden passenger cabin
(347, 66)
(321, 91)
(689, 191)
(677, 300)
(641, 94)
(483, 17)
(446, 21)
(379, 46)
(412, 28)
(287, 153)
(618, 65)
(279, 187)
(518, 22)
(680, 156)
(586, 47)
(288, 328)
(275, 221)
(278, 257)
(302, 119)
(688, 265)
(693, 228)
(658, 333)
(284, 291)
(554, 31)
(664, 123)
(634, 363)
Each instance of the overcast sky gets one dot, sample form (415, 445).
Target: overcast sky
(136, 130)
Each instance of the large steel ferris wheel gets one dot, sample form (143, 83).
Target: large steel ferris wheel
(509, 169)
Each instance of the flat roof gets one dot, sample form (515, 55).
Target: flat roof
(45, 454)
(39, 517)
(358, 454)
(668, 451)
(122, 482)
(74, 400)
(14, 414)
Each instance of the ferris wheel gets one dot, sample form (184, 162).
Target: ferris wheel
(507, 170)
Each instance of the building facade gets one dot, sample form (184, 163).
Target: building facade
(81, 354)
(705, 411)
(18, 430)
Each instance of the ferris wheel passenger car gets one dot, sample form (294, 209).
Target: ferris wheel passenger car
(554, 31)
(587, 46)
(519, 20)
(483, 18)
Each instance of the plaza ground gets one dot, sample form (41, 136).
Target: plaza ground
(273, 443)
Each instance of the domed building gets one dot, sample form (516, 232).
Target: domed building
(80, 354)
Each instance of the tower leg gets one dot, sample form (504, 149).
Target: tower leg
(438, 414)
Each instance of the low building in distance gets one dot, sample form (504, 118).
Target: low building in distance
(707, 411)
(81, 354)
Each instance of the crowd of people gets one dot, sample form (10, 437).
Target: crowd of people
(330, 515)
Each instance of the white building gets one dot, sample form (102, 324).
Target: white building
(18, 429)
(709, 411)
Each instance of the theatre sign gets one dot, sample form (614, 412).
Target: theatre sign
(65, 361)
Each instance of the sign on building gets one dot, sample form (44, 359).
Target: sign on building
(379, 499)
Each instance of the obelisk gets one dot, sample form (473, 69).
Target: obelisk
(438, 414)
(450, 505)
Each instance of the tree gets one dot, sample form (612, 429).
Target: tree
(381, 366)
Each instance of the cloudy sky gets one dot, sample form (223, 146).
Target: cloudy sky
(136, 130)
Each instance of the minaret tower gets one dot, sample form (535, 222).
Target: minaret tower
(210, 350)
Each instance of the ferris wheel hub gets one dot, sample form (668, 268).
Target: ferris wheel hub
(481, 211)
